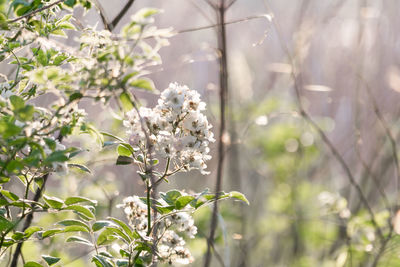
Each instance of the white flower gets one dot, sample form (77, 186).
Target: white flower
(178, 129)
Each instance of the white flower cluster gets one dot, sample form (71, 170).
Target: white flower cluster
(177, 128)
(333, 203)
(170, 246)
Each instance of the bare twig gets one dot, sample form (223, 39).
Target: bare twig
(224, 23)
(29, 218)
(297, 87)
(36, 11)
(386, 127)
(102, 15)
(223, 80)
(120, 15)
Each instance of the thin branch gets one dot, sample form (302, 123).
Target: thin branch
(230, 4)
(223, 80)
(102, 15)
(386, 127)
(225, 23)
(36, 11)
(29, 218)
(297, 87)
(120, 15)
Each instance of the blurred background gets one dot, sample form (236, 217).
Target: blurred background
(342, 57)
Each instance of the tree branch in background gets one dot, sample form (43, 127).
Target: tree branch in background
(120, 15)
(223, 83)
(29, 218)
(297, 88)
(102, 15)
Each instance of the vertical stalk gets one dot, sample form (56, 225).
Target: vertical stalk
(148, 188)
(223, 82)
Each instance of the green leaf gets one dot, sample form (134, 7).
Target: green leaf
(123, 151)
(8, 129)
(122, 262)
(74, 200)
(26, 113)
(50, 260)
(145, 84)
(75, 96)
(9, 195)
(182, 201)
(106, 237)
(239, 196)
(17, 102)
(128, 76)
(101, 261)
(53, 202)
(171, 196)
(66, 25)
(51, 143)
(125, 227)
(31, 230)
(112, 136)
(32, 264)
(80, 240)
(71, 222)
(70, 3)
(82, 210)
(51, 232)
(17, 235)
(100, 225)
(123, 160)
(120, 234)
(80, 166)
(56, 156)
(126, 101)
(75, 228)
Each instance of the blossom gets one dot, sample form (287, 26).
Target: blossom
(170, 244)
(176, 127)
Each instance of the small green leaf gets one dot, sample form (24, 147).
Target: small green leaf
(101, 261)
(143, 84)
(125, 227)
(31, 230)
(106, 237)
(74, 200)
(9, 195)
(32, 264)
(53, 202)
(239, 196)
(122, 262)
(100, 225)
(50, 260)
(113, 136)
(123, 151)
(82, 210)
(72, 222)
(75, 228)
(182, 201)
(17, 102)
(80, 240)
(123, 160)
(80, 166)
(75, 96)
(51, 232)
(126, 101)
(18, 235)
(56, 156)
(128, 76)
(171, 196)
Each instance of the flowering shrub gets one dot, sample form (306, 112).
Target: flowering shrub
(40, 109)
